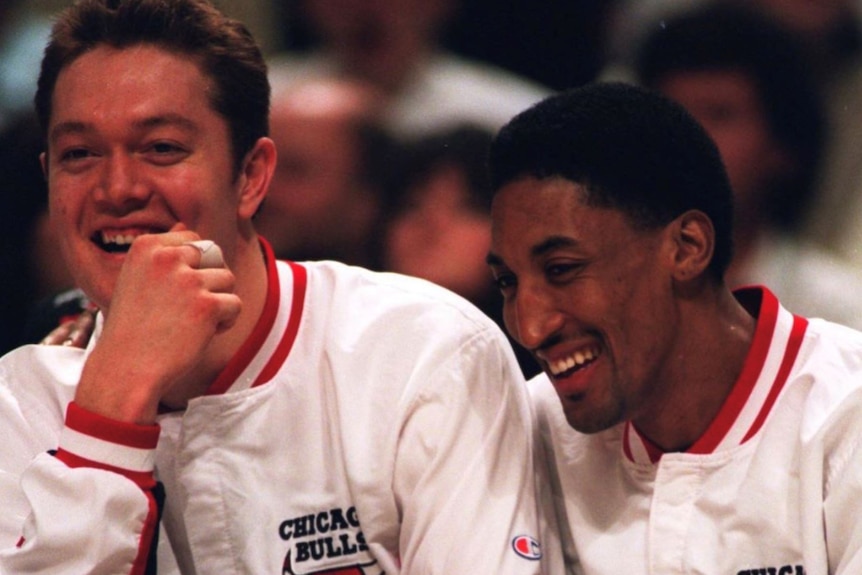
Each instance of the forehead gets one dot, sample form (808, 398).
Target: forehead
(529, 216)
(109, 84)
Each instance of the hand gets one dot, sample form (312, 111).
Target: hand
(73, 333)
(164, 312)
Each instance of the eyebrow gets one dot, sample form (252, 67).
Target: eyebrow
(64, 128)
(167, 120)
(76, 127)
(552, 243)
(547, 245)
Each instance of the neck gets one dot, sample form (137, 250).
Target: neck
(713, 345)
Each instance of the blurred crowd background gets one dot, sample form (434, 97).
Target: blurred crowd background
(383, 109)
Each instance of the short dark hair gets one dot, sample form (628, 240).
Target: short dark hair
(738, 38)
(631, 148)
(225, 49)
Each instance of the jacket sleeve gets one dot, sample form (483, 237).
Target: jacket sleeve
(93, 505)
(842, 488)
(464, 472)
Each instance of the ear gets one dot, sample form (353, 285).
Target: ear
(693, 239)
(254, 177)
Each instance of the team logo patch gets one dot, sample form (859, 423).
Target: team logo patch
(326, 542)
(527, 547)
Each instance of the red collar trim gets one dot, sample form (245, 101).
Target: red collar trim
(241, 359)
(764, 306)
(300, 283)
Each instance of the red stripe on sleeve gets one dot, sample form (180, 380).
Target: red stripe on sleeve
(144, 480)
(139, 567)
(119, 432)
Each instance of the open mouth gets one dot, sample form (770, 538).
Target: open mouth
(115, 243)
(578, 360)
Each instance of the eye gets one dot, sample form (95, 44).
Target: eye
(164, 148)
(75, 159)
(562, 271)
(73, 154)
(165, 153)
(504, 281)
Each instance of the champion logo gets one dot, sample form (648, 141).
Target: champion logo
(527, 547)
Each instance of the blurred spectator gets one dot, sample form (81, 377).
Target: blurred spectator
(743, 77)
(333, 159)
(30, 263)
(558, 44)
(24, 29)
(830, 32)
(394, 45)
(439, 226)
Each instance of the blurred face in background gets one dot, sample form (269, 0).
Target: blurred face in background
(378, 40)
(316, 201)
(727, 103)
(809, 17)
(440, 236)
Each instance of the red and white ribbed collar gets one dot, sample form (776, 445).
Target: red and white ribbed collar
(265, 350)
(777, 339)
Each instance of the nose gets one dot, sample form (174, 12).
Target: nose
(120, 189)
(533, 317)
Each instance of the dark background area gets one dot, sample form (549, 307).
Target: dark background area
(559, 43)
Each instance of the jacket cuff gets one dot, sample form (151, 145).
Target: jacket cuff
(92, 440)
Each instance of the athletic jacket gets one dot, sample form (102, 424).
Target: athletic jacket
(773, 487)
(371, 423)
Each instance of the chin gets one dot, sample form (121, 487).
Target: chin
(591, 421)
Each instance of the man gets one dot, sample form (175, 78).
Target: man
(301, 418)
(691, 429)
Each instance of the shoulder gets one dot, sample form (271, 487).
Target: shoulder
(829, 366)
(832, 351)
(374, 296)
(351, 308)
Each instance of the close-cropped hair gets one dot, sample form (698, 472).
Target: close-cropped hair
(737, 38)
(632, 150)
(223, 47)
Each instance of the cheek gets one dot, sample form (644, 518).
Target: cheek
(59, 210)
(509, 321)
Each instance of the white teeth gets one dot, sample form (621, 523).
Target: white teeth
(579, 358)
(119, 239)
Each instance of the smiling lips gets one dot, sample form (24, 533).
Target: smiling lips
(565, 366)
(114, 242)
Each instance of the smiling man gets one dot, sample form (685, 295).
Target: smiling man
(691, 429)
(251, 415)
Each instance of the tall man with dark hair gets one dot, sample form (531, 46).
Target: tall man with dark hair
(298, 417)
(690, 429)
